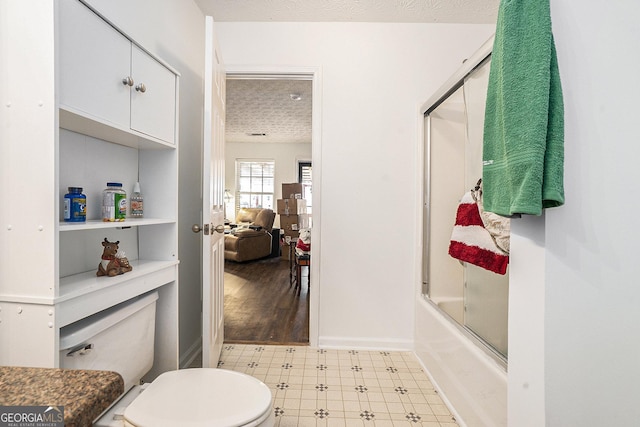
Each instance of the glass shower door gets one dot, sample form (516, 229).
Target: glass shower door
(474, 298)
(486, 294)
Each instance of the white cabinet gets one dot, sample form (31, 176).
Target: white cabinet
(106, 77)
(107, 131)
(153, 100)
(94, 61)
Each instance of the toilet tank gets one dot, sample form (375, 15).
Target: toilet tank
(120, 339)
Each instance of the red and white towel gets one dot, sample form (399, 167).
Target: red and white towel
(471, 242)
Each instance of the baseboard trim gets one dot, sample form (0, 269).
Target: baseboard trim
(365, 344)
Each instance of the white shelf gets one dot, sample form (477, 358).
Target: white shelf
(84, 123)
(98, 224)
(86, 283)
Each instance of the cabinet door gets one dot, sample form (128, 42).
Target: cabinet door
(93, 61)
(153, 102)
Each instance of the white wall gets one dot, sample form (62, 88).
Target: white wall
(286, 157)
(174, 31)
(590, 286)
(526, 378)
(374, 78)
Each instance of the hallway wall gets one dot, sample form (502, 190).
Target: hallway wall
(374, 78)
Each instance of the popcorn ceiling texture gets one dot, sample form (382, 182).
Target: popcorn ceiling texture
(265, 106)
(425, 11)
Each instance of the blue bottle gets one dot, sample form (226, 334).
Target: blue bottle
(75, 205)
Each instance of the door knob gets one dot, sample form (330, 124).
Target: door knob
(141, 88)
(218, 228)
(196, 228)
(127, 81)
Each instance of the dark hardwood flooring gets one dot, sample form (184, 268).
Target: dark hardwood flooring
(259, 305)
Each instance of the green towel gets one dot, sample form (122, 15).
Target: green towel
(523, 148)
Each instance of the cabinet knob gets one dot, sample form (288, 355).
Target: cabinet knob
(141, 88)
(127, 81)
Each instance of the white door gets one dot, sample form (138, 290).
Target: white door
(213, 201)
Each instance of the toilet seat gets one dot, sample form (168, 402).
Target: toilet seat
(201, 397)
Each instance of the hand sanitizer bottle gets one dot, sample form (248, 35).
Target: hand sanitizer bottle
(137, 207)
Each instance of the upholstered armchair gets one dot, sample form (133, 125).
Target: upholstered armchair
(251, 237)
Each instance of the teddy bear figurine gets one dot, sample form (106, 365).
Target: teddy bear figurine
(113, 262)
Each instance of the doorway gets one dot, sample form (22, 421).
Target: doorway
(263, 125)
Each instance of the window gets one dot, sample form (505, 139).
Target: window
(256, 182)
(304, 177)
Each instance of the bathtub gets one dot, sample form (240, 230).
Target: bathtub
(471, 382)
(454, 306)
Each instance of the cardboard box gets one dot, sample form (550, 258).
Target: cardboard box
(292, 191)
(292, 224)
(291, 233)
(291, 206)
(288, 246)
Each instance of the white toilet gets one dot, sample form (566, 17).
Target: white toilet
(196, 397)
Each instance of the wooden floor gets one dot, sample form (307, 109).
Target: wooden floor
(259, 305)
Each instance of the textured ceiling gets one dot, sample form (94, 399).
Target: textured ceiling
(265, 107)
(449, 11)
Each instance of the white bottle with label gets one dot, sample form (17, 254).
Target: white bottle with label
(137, 202)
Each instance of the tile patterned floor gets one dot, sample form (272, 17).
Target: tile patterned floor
(318, 387)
